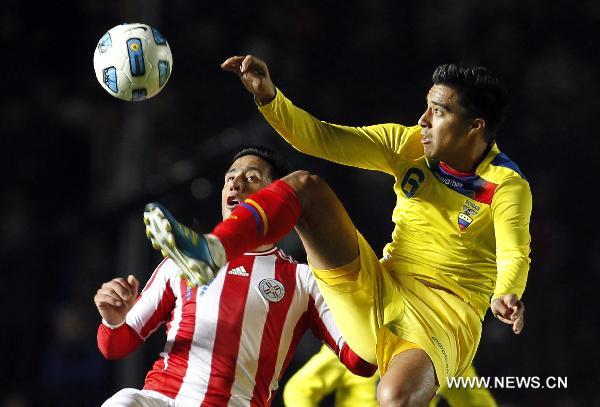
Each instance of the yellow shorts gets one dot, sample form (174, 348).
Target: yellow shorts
(383, 313)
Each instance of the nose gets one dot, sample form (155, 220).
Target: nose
(236, 184)
(424, 119)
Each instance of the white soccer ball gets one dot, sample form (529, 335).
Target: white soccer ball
(133, 62)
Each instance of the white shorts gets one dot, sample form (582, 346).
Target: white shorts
(139, 398)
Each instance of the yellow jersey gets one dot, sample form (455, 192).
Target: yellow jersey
(466, 232)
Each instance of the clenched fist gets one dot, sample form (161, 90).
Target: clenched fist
(115, 298)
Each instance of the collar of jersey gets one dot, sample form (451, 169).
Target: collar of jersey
(489, 157)
(270, 251)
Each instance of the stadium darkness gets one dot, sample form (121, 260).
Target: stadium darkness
(79, 165)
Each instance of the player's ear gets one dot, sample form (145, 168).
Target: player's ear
(477, 126)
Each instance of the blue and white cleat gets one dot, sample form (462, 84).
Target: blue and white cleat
(198, 256)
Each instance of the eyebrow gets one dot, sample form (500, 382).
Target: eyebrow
(251, 168)
(433, 102)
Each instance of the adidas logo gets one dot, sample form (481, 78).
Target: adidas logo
(239, 271)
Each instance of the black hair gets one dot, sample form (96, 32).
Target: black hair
(479, 91)
(278, 168)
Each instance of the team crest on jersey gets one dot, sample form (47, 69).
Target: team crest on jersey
(465, 218)
(271, 289)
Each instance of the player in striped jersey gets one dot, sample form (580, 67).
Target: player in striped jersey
(228, 341)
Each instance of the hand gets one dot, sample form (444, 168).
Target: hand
(254, 75)
(115, 298)
(510, 310)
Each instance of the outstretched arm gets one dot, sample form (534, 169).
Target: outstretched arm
(371, 147)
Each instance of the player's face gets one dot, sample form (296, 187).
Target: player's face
(444, 126)
(247, 175)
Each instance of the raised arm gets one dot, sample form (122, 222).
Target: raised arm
(371, 147)
(114, 300)
(128, 318)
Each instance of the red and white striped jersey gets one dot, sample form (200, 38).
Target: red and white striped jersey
(228, 342)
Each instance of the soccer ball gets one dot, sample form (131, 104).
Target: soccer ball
(133, 61)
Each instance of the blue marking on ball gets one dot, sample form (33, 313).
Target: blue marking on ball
(109, 76)
(163, 72)
(138, 94)
(105, 43)
(136, 57)
(158, 38)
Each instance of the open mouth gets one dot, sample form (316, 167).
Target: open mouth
(232, 202)
(425, 139)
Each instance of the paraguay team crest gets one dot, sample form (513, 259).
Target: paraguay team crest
(465, 218)
(271, 289)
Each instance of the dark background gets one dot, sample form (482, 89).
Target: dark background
(78, 165)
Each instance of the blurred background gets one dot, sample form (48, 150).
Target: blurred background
(79, 165)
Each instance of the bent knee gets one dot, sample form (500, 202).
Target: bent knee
(390, 396)
(302, 180)
(408, 382)
(403, 396)
(305, 184)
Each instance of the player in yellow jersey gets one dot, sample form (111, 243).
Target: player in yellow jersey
(323, 374)
(461, 238)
